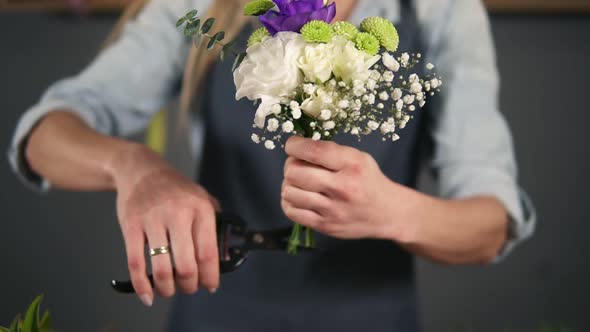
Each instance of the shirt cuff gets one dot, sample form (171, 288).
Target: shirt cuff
(16, 151)
(521, 212)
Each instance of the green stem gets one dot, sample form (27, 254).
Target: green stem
(220, 43)
(294, 240)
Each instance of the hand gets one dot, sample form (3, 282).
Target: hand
(157, 204)
(341, 191)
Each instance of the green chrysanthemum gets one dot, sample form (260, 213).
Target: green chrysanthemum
(317, 32)
(345, 30)
(258, 7)
(384, 30)
(257, 36)
(367, 42)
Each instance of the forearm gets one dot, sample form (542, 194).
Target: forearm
(72, 156)
(467, 231)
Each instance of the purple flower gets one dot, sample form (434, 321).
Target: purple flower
(294, 14)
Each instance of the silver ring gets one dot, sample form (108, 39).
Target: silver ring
(159, 251)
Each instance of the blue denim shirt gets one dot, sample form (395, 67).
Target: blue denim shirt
(473, 151)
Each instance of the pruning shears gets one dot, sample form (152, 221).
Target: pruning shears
(232, 229)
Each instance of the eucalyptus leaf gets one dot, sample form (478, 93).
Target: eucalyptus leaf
(193, 28)
(208, 25)
(192, 14)
(31, 323)
(180, 21)
(238, 61)
(219, 36)
(211, 44)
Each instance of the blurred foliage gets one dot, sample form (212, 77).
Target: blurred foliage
(33, 321)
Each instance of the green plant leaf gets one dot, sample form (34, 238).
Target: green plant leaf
(238, 61)
(180, 21)
(45, 322)
(208, 25)
(14, 325)
(211, 44)
(216, 38)
(222, 55)
(31, 323)
(191, 14)
(219, 36)
(3, 329)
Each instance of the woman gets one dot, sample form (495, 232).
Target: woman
(364, 202)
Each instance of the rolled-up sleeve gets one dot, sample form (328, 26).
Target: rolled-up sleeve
(122, 88)
(473, 147)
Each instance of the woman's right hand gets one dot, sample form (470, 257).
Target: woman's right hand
(157, 205)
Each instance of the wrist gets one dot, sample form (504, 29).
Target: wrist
(129, 161)
(410, 217)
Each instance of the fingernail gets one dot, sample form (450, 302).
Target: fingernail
(146, 299)
(213, 290)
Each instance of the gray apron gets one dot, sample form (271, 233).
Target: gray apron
(352, 286)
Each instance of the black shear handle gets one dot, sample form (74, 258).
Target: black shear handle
(230, 258)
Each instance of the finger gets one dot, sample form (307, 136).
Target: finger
(306, 200)
(309, 177)
(326, 154)
(183, 251)
(303, 217)
(215, 203)
(205, 239)
(161, 264)
(135, 246)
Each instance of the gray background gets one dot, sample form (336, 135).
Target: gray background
(68, 245)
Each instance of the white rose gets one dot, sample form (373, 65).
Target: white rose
(351, 64)
(317, 62)
(313, 106)
(390, 62)
(270, 72)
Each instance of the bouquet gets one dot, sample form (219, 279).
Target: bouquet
(315, 78)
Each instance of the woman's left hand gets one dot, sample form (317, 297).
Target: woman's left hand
(341, 191)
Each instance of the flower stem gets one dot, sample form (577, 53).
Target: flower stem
(308, 237)
(294, 240)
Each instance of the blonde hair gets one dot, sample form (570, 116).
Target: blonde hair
(228, 17)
